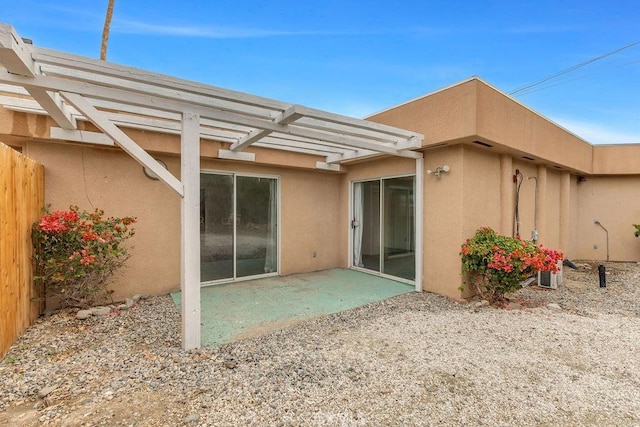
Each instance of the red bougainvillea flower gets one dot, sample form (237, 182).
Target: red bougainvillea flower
(58, 221)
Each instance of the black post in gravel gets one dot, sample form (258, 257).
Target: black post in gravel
(602, 275)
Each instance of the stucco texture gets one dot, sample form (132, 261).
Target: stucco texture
(483, 135)
(109, 179)
(615, 202)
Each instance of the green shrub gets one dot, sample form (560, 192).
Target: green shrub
(494, 265)
(76, 253)
(637, 226)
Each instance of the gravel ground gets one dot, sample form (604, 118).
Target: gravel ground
(417, 359)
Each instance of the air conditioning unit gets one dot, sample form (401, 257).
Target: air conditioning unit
(547, 279)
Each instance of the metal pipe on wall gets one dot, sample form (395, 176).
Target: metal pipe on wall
(596, 222)
(506, 194)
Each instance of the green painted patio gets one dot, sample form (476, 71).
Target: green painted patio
(240, 310)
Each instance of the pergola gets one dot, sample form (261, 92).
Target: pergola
(71, 89)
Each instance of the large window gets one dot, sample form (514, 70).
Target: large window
(238, 226)
(384, 226)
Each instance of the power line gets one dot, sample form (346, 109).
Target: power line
(524, 89)
(562, 82)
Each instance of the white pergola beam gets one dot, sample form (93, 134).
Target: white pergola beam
(327, 166)
(100, 92)
(54, 105)
(14, 53)
(253, 136)
(298, 146)
(350, 155)
(413, 142)
(356, 123)
(61, 114)
(16, 58)
(360, 154)
(75, 62)
(149, 87)
(236, 155)
(190, 231)
(81, 136)
(123, 140)
(288, 116)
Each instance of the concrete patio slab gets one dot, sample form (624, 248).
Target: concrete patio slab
(241, 310)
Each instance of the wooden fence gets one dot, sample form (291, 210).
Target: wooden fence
(21, 202)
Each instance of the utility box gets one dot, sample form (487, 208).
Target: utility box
(547, 279)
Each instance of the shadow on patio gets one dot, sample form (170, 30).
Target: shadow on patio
(236, 311)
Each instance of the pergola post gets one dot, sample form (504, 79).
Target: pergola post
(419, 200)
(190, 231)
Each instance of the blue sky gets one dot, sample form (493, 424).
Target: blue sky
(359, 57)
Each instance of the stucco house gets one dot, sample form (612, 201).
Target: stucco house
(229, 186)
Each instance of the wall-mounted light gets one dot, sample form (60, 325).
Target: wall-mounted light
(437, 171)
(581, 179)
(150, 174)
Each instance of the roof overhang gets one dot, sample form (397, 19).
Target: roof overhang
(71, 89)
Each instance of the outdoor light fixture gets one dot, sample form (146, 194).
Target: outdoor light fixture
(150, 174)
(437, 171)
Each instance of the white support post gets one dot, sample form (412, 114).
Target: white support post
(419, 200)
(190, 231)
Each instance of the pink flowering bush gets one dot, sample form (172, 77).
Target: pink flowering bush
(76, 253)
(494, 265)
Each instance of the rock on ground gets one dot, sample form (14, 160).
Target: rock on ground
(417, 359)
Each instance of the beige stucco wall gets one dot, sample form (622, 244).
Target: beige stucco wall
(551, 236)
(571, 252)
(443, 221)
(474, 110)
(446, 115)
(616, 159)
(615, 202)
(309, 210)
(477, 192)
(111, 180)
(481, 191)
(513, 126)
(472, 196)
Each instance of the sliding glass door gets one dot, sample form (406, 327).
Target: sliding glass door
(216, 227)
(238, 226)
(256, 226)
(383, 226)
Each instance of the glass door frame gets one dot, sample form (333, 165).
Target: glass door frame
(416, 229)
(234, 176)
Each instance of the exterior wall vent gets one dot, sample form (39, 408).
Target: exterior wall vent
(484, 144)
(528, 158)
